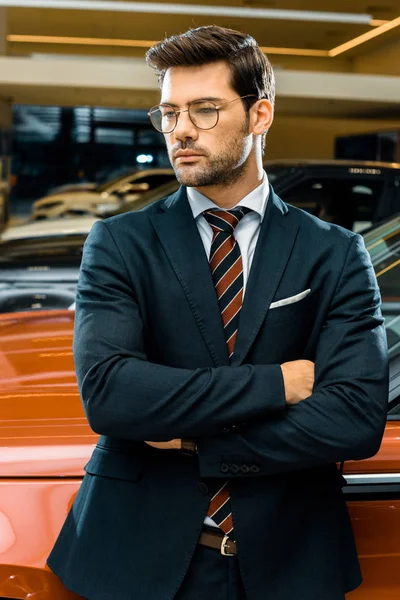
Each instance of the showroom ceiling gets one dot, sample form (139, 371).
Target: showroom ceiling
(336, 36)
(120, 33)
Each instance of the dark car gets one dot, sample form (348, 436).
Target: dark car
(354, 194)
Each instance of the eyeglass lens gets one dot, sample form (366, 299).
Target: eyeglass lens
(203, 115)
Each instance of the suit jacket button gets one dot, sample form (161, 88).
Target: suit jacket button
(254, 469)
(225, 430)
(224, 468)
(234, 469)
(202, 488)
(245, 468)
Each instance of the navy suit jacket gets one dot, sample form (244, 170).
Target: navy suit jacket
(152, 364)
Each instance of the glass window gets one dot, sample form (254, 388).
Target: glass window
(108, 135)
(347, 202)
(36, 123)
(148, 137)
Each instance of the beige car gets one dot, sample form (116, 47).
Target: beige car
(105, 199)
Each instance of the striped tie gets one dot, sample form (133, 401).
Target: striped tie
(227, 272)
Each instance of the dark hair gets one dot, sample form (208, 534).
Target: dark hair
(251, 70)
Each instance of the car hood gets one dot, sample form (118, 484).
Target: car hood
(43, 430)
(49, 228)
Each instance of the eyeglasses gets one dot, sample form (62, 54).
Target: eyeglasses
(202, 113)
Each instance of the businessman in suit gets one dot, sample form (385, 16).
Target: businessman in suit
(229, 351)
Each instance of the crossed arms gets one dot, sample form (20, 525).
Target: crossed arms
(126, 396)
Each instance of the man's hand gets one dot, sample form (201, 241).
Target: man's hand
(298, 377)
(171, 445)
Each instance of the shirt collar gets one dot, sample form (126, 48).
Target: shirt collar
(256, 200)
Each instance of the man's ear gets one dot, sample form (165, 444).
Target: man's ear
(262, 115)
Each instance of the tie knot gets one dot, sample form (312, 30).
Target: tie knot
(225, 220)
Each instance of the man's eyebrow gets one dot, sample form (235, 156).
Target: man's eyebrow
(205, 99)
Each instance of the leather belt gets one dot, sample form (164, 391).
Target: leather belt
(218, 541)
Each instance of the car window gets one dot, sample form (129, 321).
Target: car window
(350, 203)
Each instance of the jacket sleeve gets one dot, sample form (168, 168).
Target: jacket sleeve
(344, 418)
(125, 395)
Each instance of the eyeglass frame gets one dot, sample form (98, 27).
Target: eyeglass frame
(179, 111)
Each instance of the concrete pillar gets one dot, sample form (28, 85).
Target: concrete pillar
(5, 112)
(5, 131)
(3, 31)
(5, 103)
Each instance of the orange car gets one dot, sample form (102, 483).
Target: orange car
(45, 441)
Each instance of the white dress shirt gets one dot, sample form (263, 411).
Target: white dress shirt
(246, 232)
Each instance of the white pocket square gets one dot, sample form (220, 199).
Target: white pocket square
(290, 300)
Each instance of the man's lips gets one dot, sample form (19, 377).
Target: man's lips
(187, 154)
(187, 157)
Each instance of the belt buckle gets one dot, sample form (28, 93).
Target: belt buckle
(224, 545)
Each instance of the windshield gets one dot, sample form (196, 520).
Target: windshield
(383, 244)
(111, 183)
(57, 250)
(39, 273)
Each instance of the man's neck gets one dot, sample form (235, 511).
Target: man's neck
(230, 195)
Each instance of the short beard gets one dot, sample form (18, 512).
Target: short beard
(224, 169)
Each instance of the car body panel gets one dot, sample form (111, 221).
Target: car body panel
(89, 202)
(43, 431)
(386, 461)
(376, 526)
(32, 583)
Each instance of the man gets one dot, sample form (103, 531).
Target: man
(198, 324)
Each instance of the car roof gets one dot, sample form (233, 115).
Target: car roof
(304, 162)
(117, 181)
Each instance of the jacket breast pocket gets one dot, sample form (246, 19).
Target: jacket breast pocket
(114, 464)
(294, 308)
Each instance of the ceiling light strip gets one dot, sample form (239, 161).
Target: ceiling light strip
(78, 41)
(83, 41)
(294, 51)
(186, 9)
(378, 22)
(365, 37)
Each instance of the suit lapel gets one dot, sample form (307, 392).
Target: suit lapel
(178, 233)
(274, 245)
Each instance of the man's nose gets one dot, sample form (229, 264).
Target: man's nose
(184, 128)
